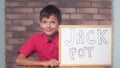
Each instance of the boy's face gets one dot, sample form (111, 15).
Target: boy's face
(49, 25)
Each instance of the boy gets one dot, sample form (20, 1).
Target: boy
(44, 44)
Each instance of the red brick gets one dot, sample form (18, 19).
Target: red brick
(65, 16)
(23, 10)
(8, 34)
(9, 47)
(15, 4)
(16, 16)
(66, 22)
(89, 22)
(101, 4)
(58, 4)
(11, 60)
(8, 22)
(22, 34)
(16, 47)
(15, 41)
(87, 10)
(79, 22)
(37, 10)
(105, 23)
(105, 11)
(68, 10)
(70, 4)
(22, 22)
(102, 17)
(36, 4)
(8, 10)
(11, 53)
(33, 28)
(79, 4)
(15, 28)
(33, 16)
(36, 21)
(81, 16)
(9, 65)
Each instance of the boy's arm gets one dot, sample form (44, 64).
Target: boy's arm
(22, 60)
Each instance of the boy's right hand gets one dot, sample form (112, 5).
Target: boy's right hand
(52, 63)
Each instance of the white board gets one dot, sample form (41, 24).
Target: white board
(85, 45)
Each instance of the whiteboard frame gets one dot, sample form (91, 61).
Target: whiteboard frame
(85, 26)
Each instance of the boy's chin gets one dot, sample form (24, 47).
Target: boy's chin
(49, 35)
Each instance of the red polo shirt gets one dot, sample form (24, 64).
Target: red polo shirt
(40, 44)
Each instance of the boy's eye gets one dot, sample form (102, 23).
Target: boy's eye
(52, 22)
(44, 22)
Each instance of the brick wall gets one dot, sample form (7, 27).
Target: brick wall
(22, 16)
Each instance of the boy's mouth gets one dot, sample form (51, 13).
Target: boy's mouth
(49, 30)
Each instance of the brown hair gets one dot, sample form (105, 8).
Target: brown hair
(50, 10)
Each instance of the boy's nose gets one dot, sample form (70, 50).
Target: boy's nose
(48, 25)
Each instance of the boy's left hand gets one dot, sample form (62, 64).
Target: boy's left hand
(53, 63)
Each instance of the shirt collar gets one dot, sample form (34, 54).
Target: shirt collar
(45, 38)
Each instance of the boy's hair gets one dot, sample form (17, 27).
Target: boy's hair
(50, 10)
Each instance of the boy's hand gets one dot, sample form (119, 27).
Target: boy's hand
(51, 63)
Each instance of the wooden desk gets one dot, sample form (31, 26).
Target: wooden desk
(67, 67)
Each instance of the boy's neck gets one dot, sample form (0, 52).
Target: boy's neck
(51, 37)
